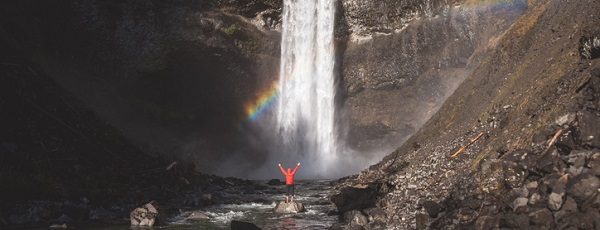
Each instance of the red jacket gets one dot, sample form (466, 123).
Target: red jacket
(289, 177)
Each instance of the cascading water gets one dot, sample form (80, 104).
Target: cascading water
(306, 111)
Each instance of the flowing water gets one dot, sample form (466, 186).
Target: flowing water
(306, 111)
(313, 194)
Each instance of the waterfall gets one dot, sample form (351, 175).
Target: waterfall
(306, 111)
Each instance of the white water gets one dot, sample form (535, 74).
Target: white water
(306, 111)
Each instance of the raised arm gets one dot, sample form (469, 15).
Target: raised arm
(296, 169)
(282, 170)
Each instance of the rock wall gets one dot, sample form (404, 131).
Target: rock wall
(404, 58)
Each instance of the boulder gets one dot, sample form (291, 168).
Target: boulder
(350, 198)
(144, 215)
(583, 187)
(241, 225)
(289, 207)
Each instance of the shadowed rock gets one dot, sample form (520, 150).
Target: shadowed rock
(240, 225)
(290, 207)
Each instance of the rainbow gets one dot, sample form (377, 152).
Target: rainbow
(263, 101)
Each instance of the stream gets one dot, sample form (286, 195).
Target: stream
(313, 194)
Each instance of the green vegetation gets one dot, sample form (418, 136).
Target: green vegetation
(231, 30)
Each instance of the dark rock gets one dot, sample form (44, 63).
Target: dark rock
(358, 198)
(583, 187)
(589, 129)
(512, 220)
(275, 182)
(542, 217)
(487, 222)
(144, 215)
(289, 207)
(432, 208)
(355, 218)
(241, 225)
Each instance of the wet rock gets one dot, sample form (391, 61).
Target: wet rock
(241, 225)
(145, 215)
(289, 207)
(520, 205)
(583, 187)
(555, 201)
(542, 217)
(197, 216)
(432, 208)
(58, 226)
(355, 218)
(275, 182)
(487, 222)
(589, 129)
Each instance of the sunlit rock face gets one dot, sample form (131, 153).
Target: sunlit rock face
(404, 58)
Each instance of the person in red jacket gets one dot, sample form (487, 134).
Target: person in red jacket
(289, 181)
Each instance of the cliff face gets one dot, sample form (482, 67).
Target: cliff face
(523, 115)
(404, 58)
(173, 76)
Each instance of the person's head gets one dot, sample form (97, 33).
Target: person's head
(289, 170)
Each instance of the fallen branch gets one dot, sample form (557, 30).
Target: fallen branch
(463, 148)
(553, 140)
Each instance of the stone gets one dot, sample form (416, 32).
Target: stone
(570, 206)
(487, 222)
(145, 215)
(535, 198)
(532, 185)
(555, 201)
(512, 220)
(589, 129)
(241, 225)
(289, 207)
(432, 208)
(565, 119)
(542, 217)
(355, 218)
(520, 205)
(520, 192)
(583, 187)
(275, 182)
(197, 216)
